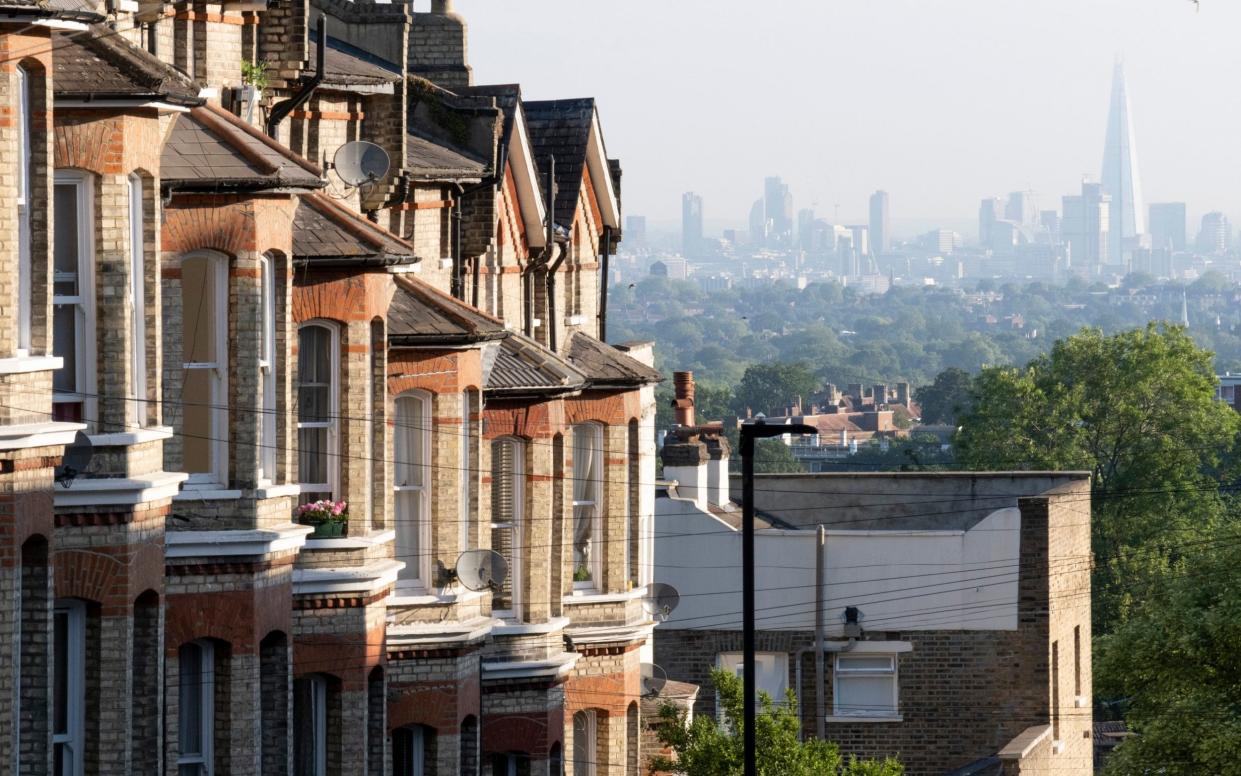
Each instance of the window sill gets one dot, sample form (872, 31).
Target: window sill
(208, 493)
(24, 364)
(850, 718)
(417, 596)
(1081, 702)
(135, 437)
(351, 542)
(593, 596)
(277, 491)
(509, 628)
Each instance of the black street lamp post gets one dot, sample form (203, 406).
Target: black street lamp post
(749, 433)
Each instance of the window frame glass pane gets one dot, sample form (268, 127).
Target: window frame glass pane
(137, 294)
(25, 261)
(196, 669)
(587, 512)
(73, 293)
(510, 595)
(865, 671)
(213, 408)
(411, 446)
(318, 434)
(69, 686)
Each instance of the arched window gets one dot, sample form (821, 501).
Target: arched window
(469, 467)
(507, 502)
(137, 414)
(204, 354)
(587, 503)
(69, 687)
(267, 372)
(73, 298)
(25, 264)
(318, 365)
(311, 697)
(585, 742)
(196, 709)
(469, 746)
(413, 751)
(410, 485)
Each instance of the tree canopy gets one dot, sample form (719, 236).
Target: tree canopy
(707, 748)
(947, 398)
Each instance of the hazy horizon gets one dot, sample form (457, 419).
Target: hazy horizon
(940, 104)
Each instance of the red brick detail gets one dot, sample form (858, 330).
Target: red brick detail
(110, 576)
(303, 603)
(240, 617)
(219, 568)
(107, 141)
(348, 656)
(438, 704)
(610, 692)
(112, 518)
(232, 225)
(342, 297)
(328, 115)
(533, 733)
(435, 204)
(439, 372)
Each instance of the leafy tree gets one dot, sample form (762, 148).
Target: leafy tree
(1137, 411)
(771, 456)
(707, 748)
(1176, 664)
(948, 398)
(767, 388)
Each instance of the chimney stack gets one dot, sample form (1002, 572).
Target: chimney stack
(683, 404)
(441, 7)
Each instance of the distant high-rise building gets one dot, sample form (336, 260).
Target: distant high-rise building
(1156, 262)
(635, 230)
(805, 229)
(880, 234)
(778, 203)
(861, 242)
(1086, 227)
(1215, 235)
(1120, 178)
(1167, 225)
(1050, 221)
(990, 211)
(691, 225)
(758, 222)
(1021, 209)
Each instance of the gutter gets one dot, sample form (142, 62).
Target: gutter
(281, 110)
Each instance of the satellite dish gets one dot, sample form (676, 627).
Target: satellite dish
(653, 680)
(360, 162)
(75, 460)
(481, 569)
(660, 600)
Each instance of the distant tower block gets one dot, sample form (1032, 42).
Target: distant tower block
(1120, 174)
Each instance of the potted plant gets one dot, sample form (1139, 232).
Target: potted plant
(255, 80)
(328, 517)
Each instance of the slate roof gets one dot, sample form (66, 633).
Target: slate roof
(561, 128)
(429, 159)
(346, 65)
(422, 316)
(210, 149)
(522, 367)
(61, 9)
(328, 233)
(102, 65)
(508, 99)
(605, 366)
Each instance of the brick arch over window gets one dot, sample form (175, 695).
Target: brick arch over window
(227, 230)
(88, 575)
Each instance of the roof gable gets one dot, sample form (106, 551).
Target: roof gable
(569, 131)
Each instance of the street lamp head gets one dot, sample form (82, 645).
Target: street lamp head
(759, 429)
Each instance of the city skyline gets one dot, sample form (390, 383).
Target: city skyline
(998, 61)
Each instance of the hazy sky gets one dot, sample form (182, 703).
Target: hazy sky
(940, 102)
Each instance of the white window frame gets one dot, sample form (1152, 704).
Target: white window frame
(892, 671)
(465, 493)
(318, 723)
(84, 300)
(594, 544)
(519, 508)
(416, 574)
(73, 739)
(331, 488)
(735, 663)
(217, 265)
(137, 295)
(205, 759)
(585, 723)
(25, 262)
(267, 372)
(416, 765)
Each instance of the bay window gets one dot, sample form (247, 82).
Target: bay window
(69, 688)
(507, 494)
(73, 316)
(865, 685)
(318, 360)
(25, 263)
(204, 393)
(410, 480)
(196, 709)
(267, 373)
(137, 294)
(587, 493)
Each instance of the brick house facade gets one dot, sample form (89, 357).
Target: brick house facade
(955, 606)
(237, 330)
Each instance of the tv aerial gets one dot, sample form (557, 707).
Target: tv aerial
(75, 460)
(653, 680)
(360, 163)
(480, 570)
(660, 600)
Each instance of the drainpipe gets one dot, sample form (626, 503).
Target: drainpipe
(454, 237)
(603, 284)
(820, 702)
(282, 109)
(546, 255)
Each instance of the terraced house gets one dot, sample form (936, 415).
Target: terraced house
(207, 313)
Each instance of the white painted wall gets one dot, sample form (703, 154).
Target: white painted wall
(900, 580)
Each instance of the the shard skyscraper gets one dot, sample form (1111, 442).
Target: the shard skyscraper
(1120, 174)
